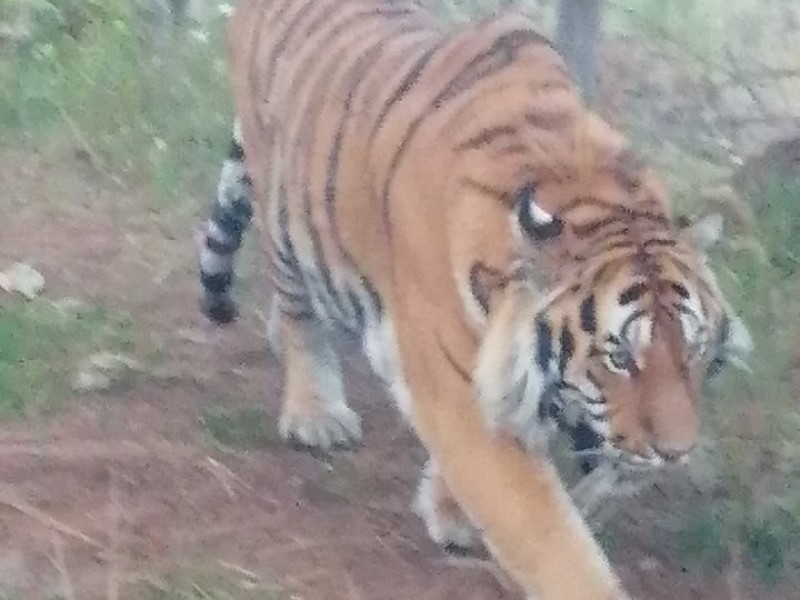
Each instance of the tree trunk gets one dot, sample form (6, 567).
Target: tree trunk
(577, 39)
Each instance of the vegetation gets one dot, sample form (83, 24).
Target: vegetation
(211, 582)
(41, 347)
(87, 70)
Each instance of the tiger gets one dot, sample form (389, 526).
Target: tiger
(511, 267)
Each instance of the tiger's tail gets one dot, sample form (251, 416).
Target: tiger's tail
(222, 234)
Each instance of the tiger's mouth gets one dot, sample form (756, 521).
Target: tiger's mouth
(637, 461)
(593, 442)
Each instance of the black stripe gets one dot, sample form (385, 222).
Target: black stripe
(512, 150)
(235, 151)
(255, 46)
(724, 329)
(485, 137)
(617, 245)
(257, 82)
(228, 221)
(566, 348)
(502, 53)
(549, 403)
(298, 313)
(580, 201)
(488, 190)
(353, 19)
(355, 75)
(588, 315)
(287, 253)
(628, 322)
(585, 438)
(290, 295)
(307, 134)
(332, 173)
(588, 229)
(544, 345)
(595, 381)
(622, 231)
(665, 242)
(225, 247)
(462, 372)
(680, 289)
(355, 301)
(405, 86)
(358, 71)
(216, 283)
(632, 293)
(477, 290)
(549, 121)
(480, 289)
(657, 218)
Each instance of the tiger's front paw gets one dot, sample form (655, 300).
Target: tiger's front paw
(445, 522)
(335, 426)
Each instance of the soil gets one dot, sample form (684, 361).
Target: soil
(118, 489)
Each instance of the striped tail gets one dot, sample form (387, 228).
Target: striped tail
(222, 235)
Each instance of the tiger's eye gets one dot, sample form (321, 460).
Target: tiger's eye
(620, 359)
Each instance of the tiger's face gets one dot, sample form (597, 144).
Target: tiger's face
(652, 335)
(622, 344)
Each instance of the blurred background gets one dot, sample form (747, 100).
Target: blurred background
(138, 457)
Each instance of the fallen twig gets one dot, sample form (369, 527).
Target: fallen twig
(10, 499)
(60, 563)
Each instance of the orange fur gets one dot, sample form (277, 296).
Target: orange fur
(402, 177)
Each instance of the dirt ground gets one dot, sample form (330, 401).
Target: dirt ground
(123, 487)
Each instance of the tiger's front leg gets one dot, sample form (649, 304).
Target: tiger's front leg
(315, 412)
(515, 498)
(446, 523)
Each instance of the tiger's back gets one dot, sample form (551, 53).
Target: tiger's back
(339, 99)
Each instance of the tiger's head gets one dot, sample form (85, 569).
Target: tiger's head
(616, 334)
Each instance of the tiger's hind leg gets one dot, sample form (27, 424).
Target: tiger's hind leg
(446, 523)
(315, 412)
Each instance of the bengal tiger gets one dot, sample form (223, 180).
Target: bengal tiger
(503, 256)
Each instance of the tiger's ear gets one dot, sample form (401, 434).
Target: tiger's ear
(734, 345)
(739, 344)
(534, 222)
(702, 233)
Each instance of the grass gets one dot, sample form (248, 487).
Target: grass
(209, 583)
(41, 345)
(241, 429)
(755, 416)
(161, 119)
(88, 71)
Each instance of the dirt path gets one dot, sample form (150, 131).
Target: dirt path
(127, 486)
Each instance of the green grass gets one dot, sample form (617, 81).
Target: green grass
(241, 429)
(41, 346)
(209, 584)
(89, 71)
(161, 120)
(754, 506)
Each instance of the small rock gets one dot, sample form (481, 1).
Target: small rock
(648, 564)
(99, 372)
(22, 278)
(91, 381)
(108, 361)
(69, 307)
